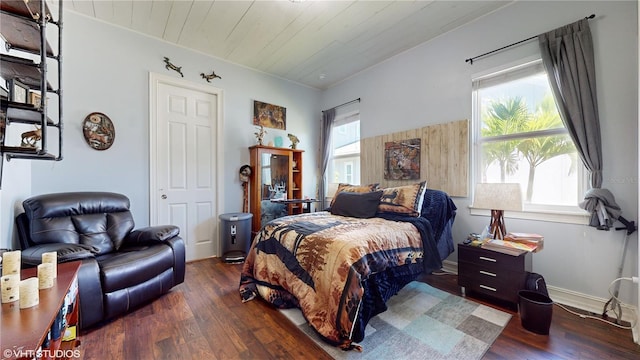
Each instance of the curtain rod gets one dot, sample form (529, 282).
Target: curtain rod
(347, 103)
(470, 60)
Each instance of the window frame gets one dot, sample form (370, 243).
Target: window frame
(554, 213)
(348, 172)
(344, 116)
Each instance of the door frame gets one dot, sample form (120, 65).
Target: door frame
(155, 80)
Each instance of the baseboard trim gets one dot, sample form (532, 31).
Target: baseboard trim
(588, 303)
(450, 266)
(592, 304)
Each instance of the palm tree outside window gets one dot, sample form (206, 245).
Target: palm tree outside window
(520, 138)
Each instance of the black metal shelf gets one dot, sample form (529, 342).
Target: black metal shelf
(23, 70)
(20, 152)
(23, 113)
(28, 10)
(24, 30)
(22, 33)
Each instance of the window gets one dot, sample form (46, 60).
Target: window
(344, 162)
(348, 172)
(520, 138)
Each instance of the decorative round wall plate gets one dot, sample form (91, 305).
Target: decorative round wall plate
(98, 131)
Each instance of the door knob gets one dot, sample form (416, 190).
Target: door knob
(164, 197)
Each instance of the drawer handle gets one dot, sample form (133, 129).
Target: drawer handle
(487, 259)
(487, 273)
(488, 288)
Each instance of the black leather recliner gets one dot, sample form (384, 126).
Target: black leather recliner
(121, 269)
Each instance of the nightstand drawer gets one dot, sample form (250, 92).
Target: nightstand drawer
(502, 284)
(491, 287)
(491, 259)
(483, 273)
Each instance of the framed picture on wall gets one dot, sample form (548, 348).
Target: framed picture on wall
(402, 160)
(18, 92)
(34, 98)
(269, 115)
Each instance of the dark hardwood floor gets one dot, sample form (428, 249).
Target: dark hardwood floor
(205, 319)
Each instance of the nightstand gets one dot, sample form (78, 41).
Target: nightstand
(491, 273)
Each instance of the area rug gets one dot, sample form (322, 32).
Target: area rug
(422, 322)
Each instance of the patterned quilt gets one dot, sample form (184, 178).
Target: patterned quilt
(317, 262)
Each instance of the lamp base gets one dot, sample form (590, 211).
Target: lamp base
(496, 227)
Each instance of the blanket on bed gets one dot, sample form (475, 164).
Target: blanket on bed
(318, 262)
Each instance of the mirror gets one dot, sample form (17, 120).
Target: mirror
(275, 177)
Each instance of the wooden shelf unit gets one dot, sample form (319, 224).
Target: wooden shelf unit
(271, 166)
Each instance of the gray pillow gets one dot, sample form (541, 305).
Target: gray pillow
(359, 205)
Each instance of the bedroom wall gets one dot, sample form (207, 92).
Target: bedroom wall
(106, 69)
(431, 84)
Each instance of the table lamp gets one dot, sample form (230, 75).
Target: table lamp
(498, 197)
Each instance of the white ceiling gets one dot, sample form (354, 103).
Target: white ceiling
(316, 43)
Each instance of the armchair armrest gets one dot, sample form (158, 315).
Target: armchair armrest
(66, 252)
(159, 233)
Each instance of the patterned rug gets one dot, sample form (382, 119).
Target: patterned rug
(422, 322)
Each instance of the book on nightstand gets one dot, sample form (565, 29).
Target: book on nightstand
(532, 239)
(506, 247)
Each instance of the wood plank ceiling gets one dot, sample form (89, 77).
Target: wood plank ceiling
(316, 43)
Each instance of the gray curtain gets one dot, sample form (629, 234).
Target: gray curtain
(325, 149)
(567, 55)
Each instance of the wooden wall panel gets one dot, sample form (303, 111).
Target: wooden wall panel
(444, 157)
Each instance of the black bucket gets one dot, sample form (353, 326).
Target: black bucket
(535, 310)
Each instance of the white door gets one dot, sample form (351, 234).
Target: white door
(184, 127)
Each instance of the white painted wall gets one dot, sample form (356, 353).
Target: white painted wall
(106, 69)
(431, 84)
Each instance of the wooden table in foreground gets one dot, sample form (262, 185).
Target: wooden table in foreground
(24, 331)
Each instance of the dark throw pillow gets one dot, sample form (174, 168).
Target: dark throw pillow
(359, 205)
(342, 187)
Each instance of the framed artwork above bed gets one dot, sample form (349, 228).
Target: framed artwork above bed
(402, 160)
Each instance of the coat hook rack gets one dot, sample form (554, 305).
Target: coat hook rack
(170, 66)
(210, 76)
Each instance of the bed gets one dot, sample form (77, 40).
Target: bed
(340, 270)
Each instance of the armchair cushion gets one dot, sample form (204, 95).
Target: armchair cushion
(152, 234)
(66, 252)
(118, 273)
(96, 219)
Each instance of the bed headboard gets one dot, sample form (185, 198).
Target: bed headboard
(444, 157)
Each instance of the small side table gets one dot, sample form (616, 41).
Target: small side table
(491, 273)
(308, 202)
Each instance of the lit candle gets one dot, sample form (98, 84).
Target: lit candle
(11, 262)
(29, 295)
(10, 288)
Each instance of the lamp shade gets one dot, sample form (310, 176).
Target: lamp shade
(498, 196)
